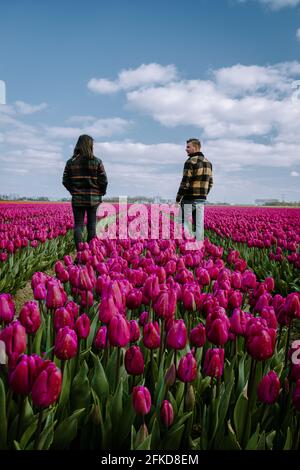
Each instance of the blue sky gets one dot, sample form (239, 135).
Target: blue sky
(143, 76)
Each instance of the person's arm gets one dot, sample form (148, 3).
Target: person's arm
(66, 180)
(185, 182)
(210, 182)
(102, 178)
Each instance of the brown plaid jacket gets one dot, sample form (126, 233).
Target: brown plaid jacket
(86, 180)
(197, 178)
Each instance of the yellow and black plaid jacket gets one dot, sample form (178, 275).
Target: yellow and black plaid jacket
(197, 178)
(86, 180)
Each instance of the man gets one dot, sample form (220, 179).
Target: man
(196, 183)
(85, 178)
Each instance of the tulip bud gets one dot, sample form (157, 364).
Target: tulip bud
(260, 340)
(14, 337)
(101, 338)
(170, 375)
(40, 292)
(165, 304)
(151, 335)
(189, 398)
(134, 361)
(47, 386)
(144, 316)
(217, 332)
(56, 295)
(141, 400)
(83, 326)
(7, 308)
(24, 373)
(73, 308)
(62, 317)
(235, 299)
(134, 331)
(177, 335)
(166, 413)
(134, 299)
(187, 369)
(118, 331)
(198, 336)
(65, 344)
(214, 362)
(30, 317)
(268, 388)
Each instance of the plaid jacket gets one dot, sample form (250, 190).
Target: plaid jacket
(86, 180)
(197, 178)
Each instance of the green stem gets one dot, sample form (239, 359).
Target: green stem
(287, 345)
(162, 331)
(38, 431)
(21, 415)
(118, 366)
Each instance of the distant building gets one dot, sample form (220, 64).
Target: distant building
(263, 202)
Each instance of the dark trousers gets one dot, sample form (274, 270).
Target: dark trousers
(79, 213)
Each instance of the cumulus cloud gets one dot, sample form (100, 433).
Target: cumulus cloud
(26, 108)
(145, 74)
(294, 173)
(238, 101)
(298, 34)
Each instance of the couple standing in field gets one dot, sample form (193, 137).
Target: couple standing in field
(85, 178)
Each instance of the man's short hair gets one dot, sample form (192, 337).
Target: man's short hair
(195, 142)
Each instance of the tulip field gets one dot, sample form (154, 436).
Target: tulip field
(141, 343)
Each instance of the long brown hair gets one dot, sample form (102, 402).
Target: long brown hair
(84, 146)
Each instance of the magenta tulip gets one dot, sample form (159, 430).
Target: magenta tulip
(65, 344)
(187, 368)
(141, 400)
(47, 386)
(268, 388)
(166, 413)
(134, 361)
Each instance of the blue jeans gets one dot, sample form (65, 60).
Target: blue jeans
(79, 213)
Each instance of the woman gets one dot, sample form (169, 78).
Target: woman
(85, 178)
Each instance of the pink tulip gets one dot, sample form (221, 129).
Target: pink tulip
(141, 400)
(198, 336)
(66, 344)
(101, 338)
(118, 331)
(134, 361)
(214, 362)
(166, 413)
(268, 388)
(151, 335)
(30, 317)
(83, 326)
(7, 308)
(187, 368)
(47, 386)
(177, 335)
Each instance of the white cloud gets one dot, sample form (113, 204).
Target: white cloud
(145, 74)
(295, 173)
(239, 101)
(103, 86)
(26, 108)
(298, 34)
(276, 4)
(98, 128)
